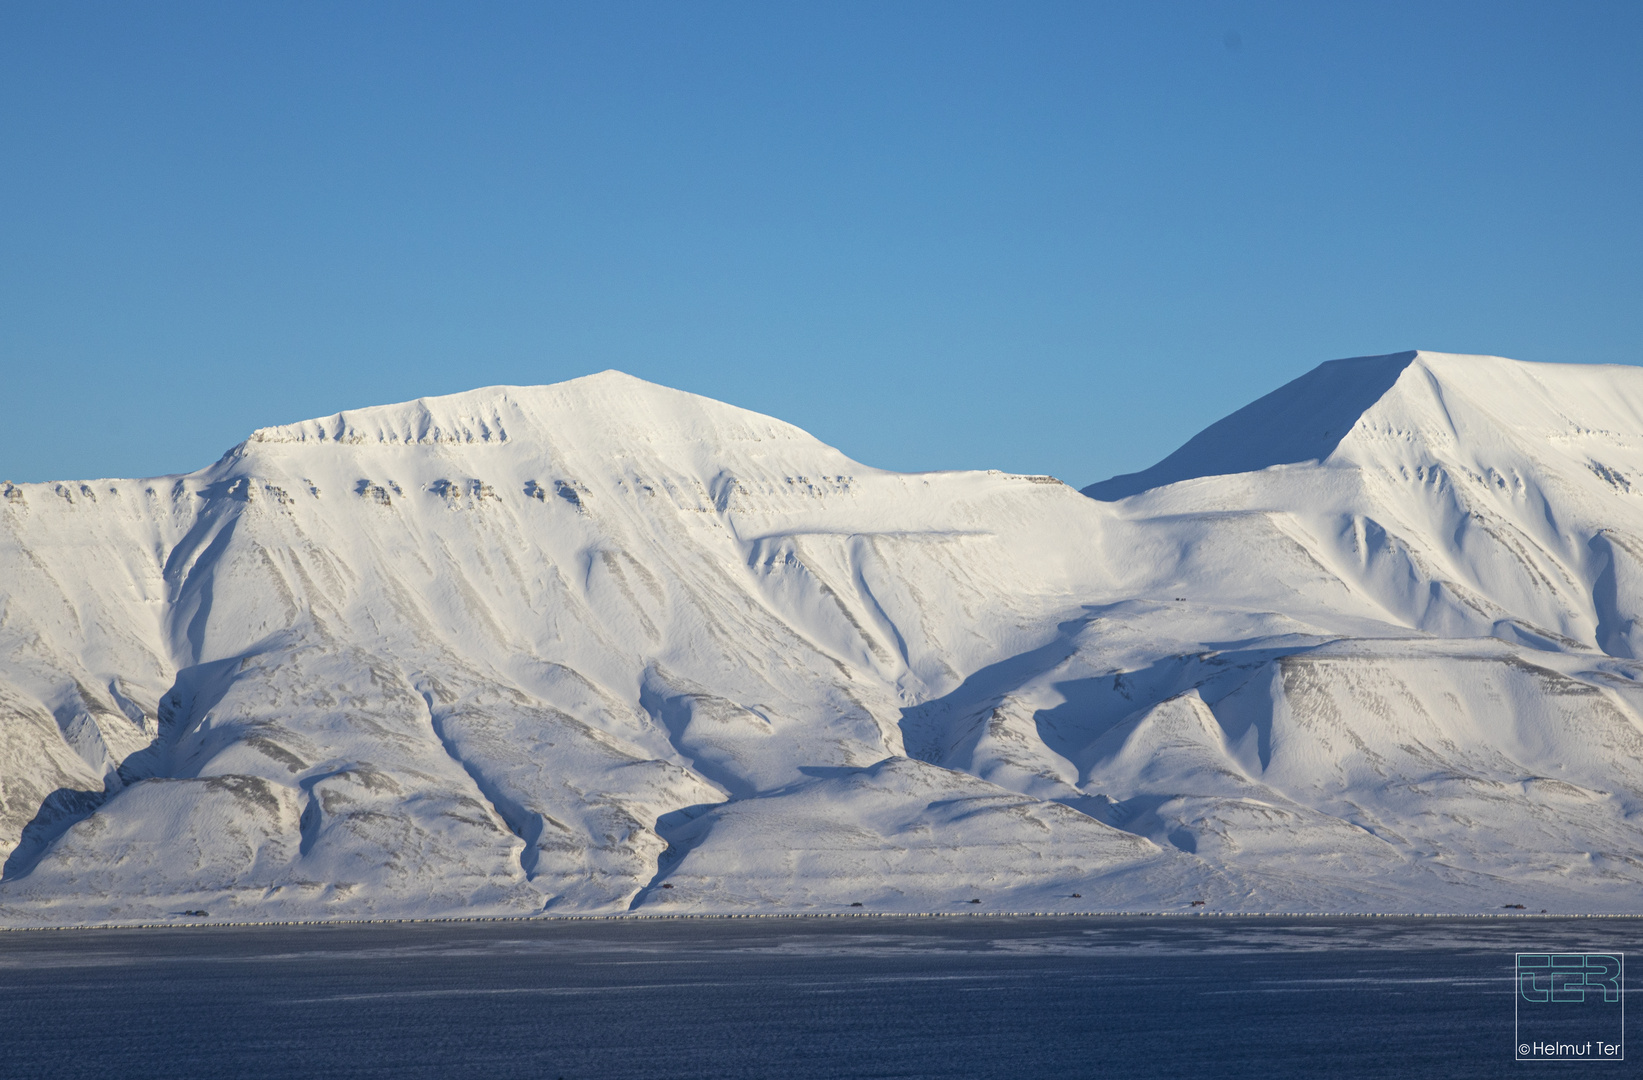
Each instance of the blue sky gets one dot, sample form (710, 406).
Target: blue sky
(1039, 237)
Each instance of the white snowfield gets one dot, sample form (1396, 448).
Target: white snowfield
(1366, 645)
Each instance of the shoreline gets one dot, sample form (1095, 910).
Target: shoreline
(625, 917)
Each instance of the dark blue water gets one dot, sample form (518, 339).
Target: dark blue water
(789, 998)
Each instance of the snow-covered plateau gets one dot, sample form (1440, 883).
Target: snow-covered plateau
(1366, 645)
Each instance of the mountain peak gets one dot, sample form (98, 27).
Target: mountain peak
(1303, 420)
(605, 408)
(480, 415)
(1417, 402)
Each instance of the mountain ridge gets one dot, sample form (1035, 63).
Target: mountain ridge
(546, 650)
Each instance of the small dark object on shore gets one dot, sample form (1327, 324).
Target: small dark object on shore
(1197, 903)
(1512, 907)
(975, 901)
(1078, 896)
(856, 904)
(198, 914)
(667, 884)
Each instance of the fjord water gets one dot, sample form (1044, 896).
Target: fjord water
(795, 998)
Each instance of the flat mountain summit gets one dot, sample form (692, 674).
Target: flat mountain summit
(1366, 644)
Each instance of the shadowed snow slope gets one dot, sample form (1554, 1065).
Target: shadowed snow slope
(1300, 421)
(1365, 645)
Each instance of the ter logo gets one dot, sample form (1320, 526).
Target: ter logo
(1568, 976)
(1570, 1007)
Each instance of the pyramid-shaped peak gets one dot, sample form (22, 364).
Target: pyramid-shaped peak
(1462, 402)
(1303, 420)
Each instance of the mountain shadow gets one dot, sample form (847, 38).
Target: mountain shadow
(1303, 420)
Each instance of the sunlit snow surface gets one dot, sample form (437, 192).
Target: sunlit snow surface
(603, 646)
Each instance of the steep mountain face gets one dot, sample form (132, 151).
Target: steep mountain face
(604, 646)
(1474, 496)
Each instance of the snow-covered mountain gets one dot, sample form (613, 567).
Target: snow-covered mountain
(1365, 645)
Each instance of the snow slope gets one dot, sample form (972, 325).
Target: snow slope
(1367, 644)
